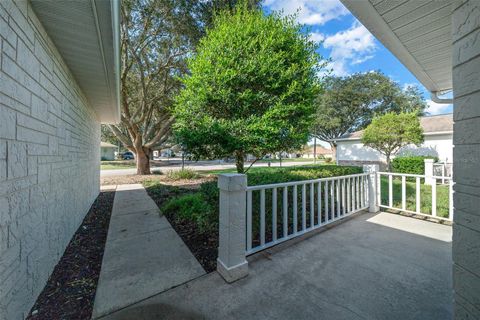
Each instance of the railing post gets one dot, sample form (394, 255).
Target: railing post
(231, 262)
(429, 172)
(372, 170)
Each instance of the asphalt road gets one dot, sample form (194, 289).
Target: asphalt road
(204, 165)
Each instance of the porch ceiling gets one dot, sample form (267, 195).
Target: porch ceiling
(86, 33)
(417, 32)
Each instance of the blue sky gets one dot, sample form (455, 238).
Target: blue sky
(348, 43)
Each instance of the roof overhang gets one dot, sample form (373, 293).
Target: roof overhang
(429, 134)
(87, 35)
(418, 33)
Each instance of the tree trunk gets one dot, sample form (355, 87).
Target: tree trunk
(389, 169)
(240, 161)
(143, 161)
(333, 146)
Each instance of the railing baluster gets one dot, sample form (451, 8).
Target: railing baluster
(379, 188)
(295, 207)
(326, 200)
(337, 185)
(358, 192)
(354, 194)
(434, 197)
(390, 190)
(450, 199)
(285, 211)
(304, 206)
(360, 183)
(332, 203)
(274, 214)
(417, 194)
(319, 203)
(404, 193)
(262, 217)
(249, 220)
(312, 205)
(349, 196)
(344, 210)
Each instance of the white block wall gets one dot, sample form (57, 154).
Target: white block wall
(49, 157)
(440, 146)
(466, 164)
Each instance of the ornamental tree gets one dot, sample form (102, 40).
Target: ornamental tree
(390, 132)
(349, 103)
(251, 88)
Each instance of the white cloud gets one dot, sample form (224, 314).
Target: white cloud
(437, 108)
(317, 36)
(352, 46)
(310, 12)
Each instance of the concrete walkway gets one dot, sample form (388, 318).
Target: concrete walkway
(370, 267)
(143, 254)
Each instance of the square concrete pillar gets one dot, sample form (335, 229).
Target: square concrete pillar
(429, 172)
(231, 262)
(373, 196)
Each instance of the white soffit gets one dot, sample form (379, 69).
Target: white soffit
(417, 32)
(86, 33)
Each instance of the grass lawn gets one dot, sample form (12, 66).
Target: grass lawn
(289, 160)
(425, 196)
(119, 164)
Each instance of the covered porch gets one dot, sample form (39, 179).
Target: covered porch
(372, 266)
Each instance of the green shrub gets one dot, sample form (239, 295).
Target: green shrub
(182, 174)
(328, 160)
(410, 164)
(193, 207)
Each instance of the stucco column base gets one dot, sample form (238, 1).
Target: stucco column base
(234, 273)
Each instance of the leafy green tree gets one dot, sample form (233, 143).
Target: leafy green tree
(349, 103)
(390, 132)
(251, 87)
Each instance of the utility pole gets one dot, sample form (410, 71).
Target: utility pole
(315, 149)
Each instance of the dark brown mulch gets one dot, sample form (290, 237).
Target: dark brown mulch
(70, 290)
(203, 245)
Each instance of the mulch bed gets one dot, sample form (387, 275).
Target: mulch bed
(203, 245)
(70, 290)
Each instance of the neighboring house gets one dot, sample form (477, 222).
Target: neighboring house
(311, 152)
(107, 151)
(438, 135)
(58, 81)
(438, 41)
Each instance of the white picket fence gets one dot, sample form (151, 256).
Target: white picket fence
(314, 204)
(253, 218)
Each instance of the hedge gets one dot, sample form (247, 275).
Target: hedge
(410, 164)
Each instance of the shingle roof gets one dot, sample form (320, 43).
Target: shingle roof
(430, 124)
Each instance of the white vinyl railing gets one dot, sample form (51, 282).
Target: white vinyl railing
(279, 212)
(392, 202)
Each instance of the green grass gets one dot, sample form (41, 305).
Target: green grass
(288, 160)
(425, 196)
(119, 164)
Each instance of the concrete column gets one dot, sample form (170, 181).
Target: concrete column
(231, 262)
(429, 172)
(373, 197)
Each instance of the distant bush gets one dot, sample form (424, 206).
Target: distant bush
(410, 164)
(328, 160)
(182, 174)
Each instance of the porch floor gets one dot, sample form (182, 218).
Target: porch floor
(374, 266)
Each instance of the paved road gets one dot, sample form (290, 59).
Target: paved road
(204, 165)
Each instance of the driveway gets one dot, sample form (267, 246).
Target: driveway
(373, 266)
(204, 165)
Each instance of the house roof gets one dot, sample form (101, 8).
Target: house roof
(320, 150)
(107, 145)
(417, 32)
(87, 36)
(431, 125)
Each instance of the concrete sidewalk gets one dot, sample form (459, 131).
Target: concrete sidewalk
(143, 254)
(369, 267)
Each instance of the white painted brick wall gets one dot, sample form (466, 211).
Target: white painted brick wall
(49, 157)
(466, 155)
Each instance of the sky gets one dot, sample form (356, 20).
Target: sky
(348, 43)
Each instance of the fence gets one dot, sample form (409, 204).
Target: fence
(253, 218)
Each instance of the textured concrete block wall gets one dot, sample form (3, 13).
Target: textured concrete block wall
(466, 155)
(49, 157)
